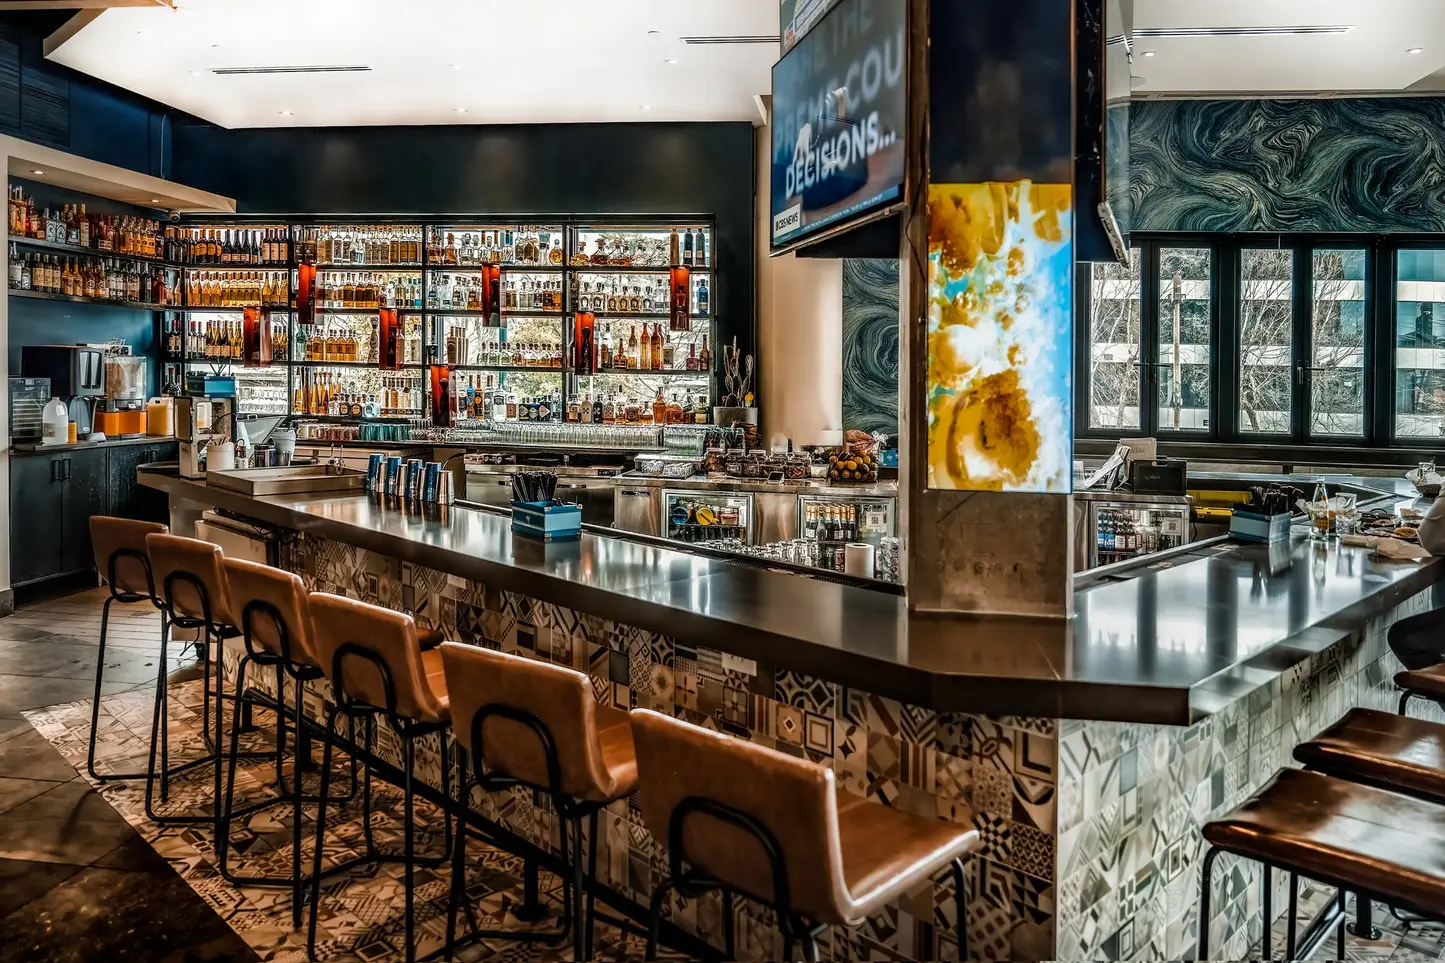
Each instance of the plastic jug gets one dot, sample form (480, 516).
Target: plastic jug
(55, 423)
(161, 417)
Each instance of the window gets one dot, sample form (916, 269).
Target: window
(1266, 339)
(1337, 342)
(1420, 344)
(1115, 294)
(1184, 342)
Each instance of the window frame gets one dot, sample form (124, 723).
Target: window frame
(1380, 359)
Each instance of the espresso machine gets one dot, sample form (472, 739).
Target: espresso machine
(204, 424)
(76, 374)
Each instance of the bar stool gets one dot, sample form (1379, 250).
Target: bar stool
(121, 559)
(1380, 845)
(1428, 683)
(776, 829)
(531, 723)
(275, 620)
(194, 595)
(377, 669)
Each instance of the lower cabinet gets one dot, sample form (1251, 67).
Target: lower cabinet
(53, 496)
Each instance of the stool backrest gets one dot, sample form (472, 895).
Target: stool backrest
(175, 554)
(126, 536)
(264, 596)
(792, 800)
(559, 698)
(390, 639)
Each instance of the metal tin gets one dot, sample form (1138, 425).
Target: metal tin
(445, 493)
(375, 479)
(431, 481)
(393, 475)
(413, 479)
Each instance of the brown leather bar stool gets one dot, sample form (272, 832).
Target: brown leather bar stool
(121, 559)
(777, 829)
(378, 670)
(193, 594)
(531, 723)
(1380, 845)
(275, 617)
(1428, 683)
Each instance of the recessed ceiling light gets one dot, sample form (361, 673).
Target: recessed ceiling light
(455, 66)
(1150, 53)
(155, 200)
(195, 73)
(285, 113)
(646, 106)
(461, 110)
(671, 60)
(1415, 50)
(42, 173)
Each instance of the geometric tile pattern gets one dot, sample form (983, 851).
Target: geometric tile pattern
(997, 773)
(1132, 801)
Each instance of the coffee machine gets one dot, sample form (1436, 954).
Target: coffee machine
(76, 373)
(202, 423)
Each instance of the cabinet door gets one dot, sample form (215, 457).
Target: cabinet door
(125, 491)
(36, 517)
(86, 481)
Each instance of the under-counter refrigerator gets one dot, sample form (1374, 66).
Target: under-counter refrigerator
(849, 518)
(1116, 526)
(704, 516)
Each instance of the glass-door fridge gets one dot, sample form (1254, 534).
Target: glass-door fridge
(828, 523)
(1116, 527)
(705, 516)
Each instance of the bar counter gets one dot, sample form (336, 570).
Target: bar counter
(1168, 644)
(1087, 753)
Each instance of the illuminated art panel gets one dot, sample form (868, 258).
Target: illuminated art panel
(1000, 307)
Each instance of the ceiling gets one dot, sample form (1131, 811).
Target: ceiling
(434, 61)
(1370, 57)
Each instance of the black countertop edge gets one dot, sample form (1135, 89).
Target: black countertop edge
(35, 448)
(952, 664)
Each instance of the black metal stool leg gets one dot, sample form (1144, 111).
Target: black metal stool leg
(223, 831)
(296, 819)
(1266, 943)
(654, 918)
(729, 944)
(1292, 924)
(530, 910)
(408, 761)
(591, 878)
(960, 898)
(1363, 924)
(1340, 930)
(1204, 894)
(320, 834)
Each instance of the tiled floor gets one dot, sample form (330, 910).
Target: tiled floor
(361, 917)
(77, 883)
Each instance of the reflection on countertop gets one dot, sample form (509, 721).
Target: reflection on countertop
(1168, 645)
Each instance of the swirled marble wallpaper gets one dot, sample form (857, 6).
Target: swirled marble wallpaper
(870, 346)
(1288, 165)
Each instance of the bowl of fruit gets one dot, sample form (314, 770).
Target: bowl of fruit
(847, 466)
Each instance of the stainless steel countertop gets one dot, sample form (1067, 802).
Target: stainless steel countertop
(1169, 645)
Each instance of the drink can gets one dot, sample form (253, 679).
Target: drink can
(393, 475)
(413, 478)
(432, 481)
(374, 479)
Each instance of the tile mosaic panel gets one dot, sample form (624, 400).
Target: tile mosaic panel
(998, 774)
(1132, 800)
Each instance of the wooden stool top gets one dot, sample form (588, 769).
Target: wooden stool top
(192, 556)
(417, 677)
(1382, 749)
(1344, 833)
(110, 535)
(282, 592)
(1429, 681)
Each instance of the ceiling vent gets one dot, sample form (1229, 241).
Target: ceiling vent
(734, 40)
(239, 71)
(1177, 32)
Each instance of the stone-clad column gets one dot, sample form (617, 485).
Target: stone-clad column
(986, 308)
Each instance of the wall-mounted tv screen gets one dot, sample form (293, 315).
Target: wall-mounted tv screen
(839, 115)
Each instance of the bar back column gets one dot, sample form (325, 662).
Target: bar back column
(986, 308)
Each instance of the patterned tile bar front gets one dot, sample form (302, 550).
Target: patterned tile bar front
(998, 773)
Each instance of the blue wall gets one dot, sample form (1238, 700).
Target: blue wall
(57, 322)
(1364, 165)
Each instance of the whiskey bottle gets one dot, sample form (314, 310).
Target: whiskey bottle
(687, 248)
(674, 249)
(656, 347)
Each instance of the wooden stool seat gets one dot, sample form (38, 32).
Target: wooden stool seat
(1358, 837)
(886, 851)
(1429, 681)
(1381, 749)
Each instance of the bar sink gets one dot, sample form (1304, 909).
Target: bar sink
(292, 480)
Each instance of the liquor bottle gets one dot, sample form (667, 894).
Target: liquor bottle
(656, 357)
(674, 249)
(687, 248)
(659, 409)
(634, 358)
(704, 359)
(702, 297)
(669, 356)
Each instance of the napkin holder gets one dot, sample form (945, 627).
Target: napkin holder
(1246, 526)
(546, 521)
